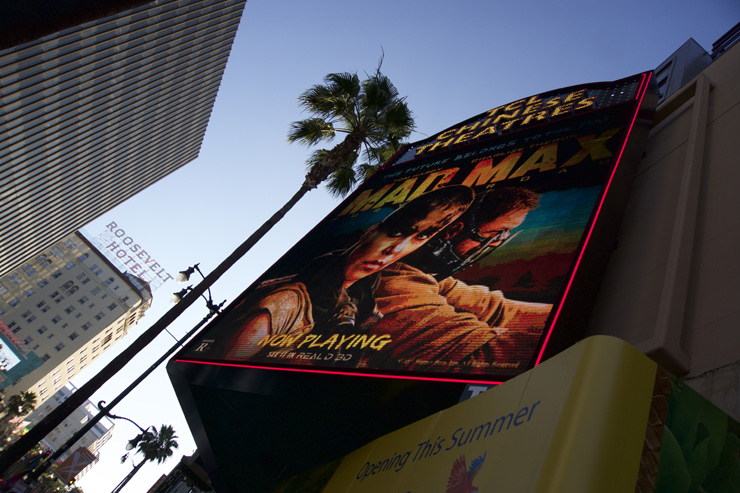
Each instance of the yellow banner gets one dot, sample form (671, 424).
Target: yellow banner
(575, 423)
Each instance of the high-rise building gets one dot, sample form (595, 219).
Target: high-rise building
(94, 113)
(59, 311)
(93, 440)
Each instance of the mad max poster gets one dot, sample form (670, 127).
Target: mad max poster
(451, 261)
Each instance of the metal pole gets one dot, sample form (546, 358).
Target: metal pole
(13, 453)
(105, 411)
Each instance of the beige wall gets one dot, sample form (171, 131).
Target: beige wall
(672, 286)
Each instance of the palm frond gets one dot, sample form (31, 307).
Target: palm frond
(316, 157)
(344, 178)
(334, 99)
(372, 114)
(310, 131)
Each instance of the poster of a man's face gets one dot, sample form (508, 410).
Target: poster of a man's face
(444, 263)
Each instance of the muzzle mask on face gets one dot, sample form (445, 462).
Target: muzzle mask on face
(440, 260)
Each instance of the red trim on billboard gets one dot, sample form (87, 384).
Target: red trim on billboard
(638, 97)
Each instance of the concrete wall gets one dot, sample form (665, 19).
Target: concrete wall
(672, 286)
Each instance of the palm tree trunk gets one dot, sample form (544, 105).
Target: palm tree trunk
(128, 477)
(13, 453)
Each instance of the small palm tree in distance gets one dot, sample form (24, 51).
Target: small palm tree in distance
(154, 446)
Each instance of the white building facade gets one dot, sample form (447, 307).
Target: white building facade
(59, 311)
(93, 440)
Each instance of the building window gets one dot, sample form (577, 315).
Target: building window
(73, 336)
(28, 293)
(109, 281)
(56, 319)
(96, 270)
(70, 369)
(95, 349)
(112, 306)
(14, 278)
(2, 311)
(29, 270)
(73, 290)
(50, 336)
(43, 391)
(28, 340)
(57, 380)
(43, 283)
(16, 329)
(69, 309)
(13, 302)
(83, 358)
(82, 300)
(70, 244)
(54, 294)
(99, 316)
(86, 325)
(83, 257)
(45, 357)
(59, 346)
(3, 289)
(31, 319)
(95, 291)
(42, 329)
(56, 274)
(27, 314)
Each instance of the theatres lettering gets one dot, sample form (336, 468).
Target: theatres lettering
(517, 114)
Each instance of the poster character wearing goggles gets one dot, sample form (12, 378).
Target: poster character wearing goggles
(484, 227)
(435, 320)
(334, 293)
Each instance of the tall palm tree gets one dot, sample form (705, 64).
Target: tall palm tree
(371, 114)
(157, 446)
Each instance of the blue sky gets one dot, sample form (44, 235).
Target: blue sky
(453, 60)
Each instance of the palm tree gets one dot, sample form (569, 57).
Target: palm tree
(157, 446)
(370, 113)
(20, 405)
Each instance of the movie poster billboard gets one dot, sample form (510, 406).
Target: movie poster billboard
(452, 261)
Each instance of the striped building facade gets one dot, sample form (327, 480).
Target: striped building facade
(93, 114)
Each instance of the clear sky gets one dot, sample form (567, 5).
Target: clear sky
(452, 59)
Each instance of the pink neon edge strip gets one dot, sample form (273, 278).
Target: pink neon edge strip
(335, 372)
(640, 94)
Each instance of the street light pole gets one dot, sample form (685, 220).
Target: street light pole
(54, 418)
(105, 410)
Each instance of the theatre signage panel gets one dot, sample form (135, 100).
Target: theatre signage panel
(454, 261)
